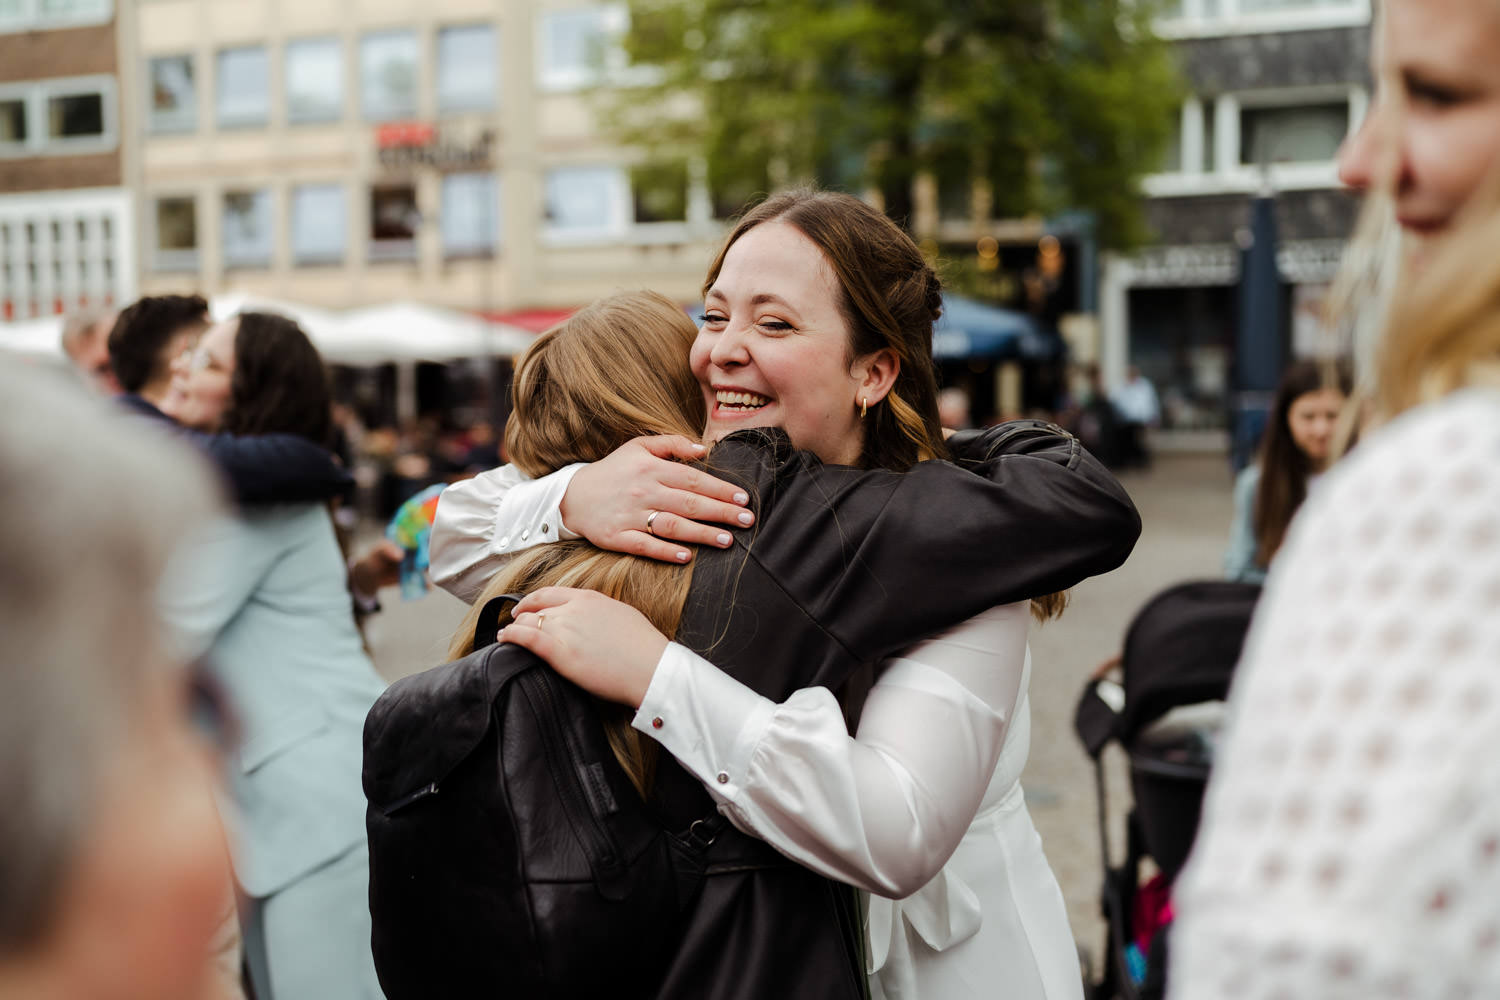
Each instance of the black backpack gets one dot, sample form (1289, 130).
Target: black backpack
(510, 856)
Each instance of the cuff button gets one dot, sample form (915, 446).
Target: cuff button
(723, 777)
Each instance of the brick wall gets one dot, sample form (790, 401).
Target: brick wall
(40, 55)
(47, 173)
(36, 55)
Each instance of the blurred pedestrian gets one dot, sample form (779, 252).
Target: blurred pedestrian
(113, 864)
(1294, 453)
(265, 595)
(85, 340)
(153, 336)
(146, 337)
(1136, 403)
(955, 411)
(1350, 846)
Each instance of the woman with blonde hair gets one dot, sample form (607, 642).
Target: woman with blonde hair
(818, 321)
(1350, 845)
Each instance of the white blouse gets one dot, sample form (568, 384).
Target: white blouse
(883, 811)
(1350, 844)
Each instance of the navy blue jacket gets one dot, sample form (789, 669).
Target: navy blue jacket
(261, 468)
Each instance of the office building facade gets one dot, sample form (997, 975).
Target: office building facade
(66, 221)
(1275, 86)
(359, 151)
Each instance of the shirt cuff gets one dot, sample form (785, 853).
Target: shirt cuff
(531, 513)
(706, 719)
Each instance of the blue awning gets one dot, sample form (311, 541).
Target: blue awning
(970, 329)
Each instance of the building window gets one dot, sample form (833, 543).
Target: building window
(579, 48)
(30, 15)
(12, 122)
(1302, 134)
(393, 222)
(319, 224)
(243, 87)
(388, 72)
(466, 68)
(58, 116)
(75, 116)
(659, 192)
(174, 97)
(471, 216)
(247, 229)
(176, 234)
(314, 80)
(586, 203)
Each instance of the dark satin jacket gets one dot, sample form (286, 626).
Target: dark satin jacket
(845, 568)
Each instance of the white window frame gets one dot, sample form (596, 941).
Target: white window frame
(551, 78)
(1228, 175)
(490, 101)
(616, 228)
(292, 117)
(35, 94)
(1196, 21)
(182, 261)
(31, 17)
(159, 123)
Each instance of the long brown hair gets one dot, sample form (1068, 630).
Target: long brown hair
(279, 385)
(1284, 469)
(890, 297)
(614, 370)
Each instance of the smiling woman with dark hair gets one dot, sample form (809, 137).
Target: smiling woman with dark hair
(266, 595)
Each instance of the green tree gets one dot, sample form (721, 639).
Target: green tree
(1055, 103)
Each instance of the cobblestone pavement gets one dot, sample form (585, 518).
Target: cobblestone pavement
(1185, 507)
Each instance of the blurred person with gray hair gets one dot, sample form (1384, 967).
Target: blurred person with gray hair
(113, 864)
(954, 409)
(85, 340)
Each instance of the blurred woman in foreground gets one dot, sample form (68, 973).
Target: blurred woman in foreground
(113, 866)
(1350, 844)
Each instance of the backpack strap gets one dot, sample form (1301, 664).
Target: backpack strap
(495, 609)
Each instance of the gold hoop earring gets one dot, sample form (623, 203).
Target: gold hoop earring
(864, 406)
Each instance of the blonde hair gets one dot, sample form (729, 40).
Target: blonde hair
(1424, 318)
(611, 372)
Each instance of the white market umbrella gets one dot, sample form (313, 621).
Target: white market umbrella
(320, 325)
(413, 331)
(41, 336)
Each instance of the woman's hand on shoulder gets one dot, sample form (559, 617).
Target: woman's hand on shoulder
(605, 646)
(609, 501)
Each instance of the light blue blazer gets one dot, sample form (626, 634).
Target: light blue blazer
(264, 595)
(1239, 557)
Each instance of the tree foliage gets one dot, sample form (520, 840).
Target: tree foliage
(1057, 104)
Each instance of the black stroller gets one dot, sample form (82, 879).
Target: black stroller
(1179, 655)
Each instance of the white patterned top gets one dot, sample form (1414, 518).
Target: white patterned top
(1350, 845)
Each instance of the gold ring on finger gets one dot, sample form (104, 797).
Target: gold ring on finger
(649, 519)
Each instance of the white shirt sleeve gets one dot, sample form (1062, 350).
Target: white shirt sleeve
(883, 810)
(481, 522)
